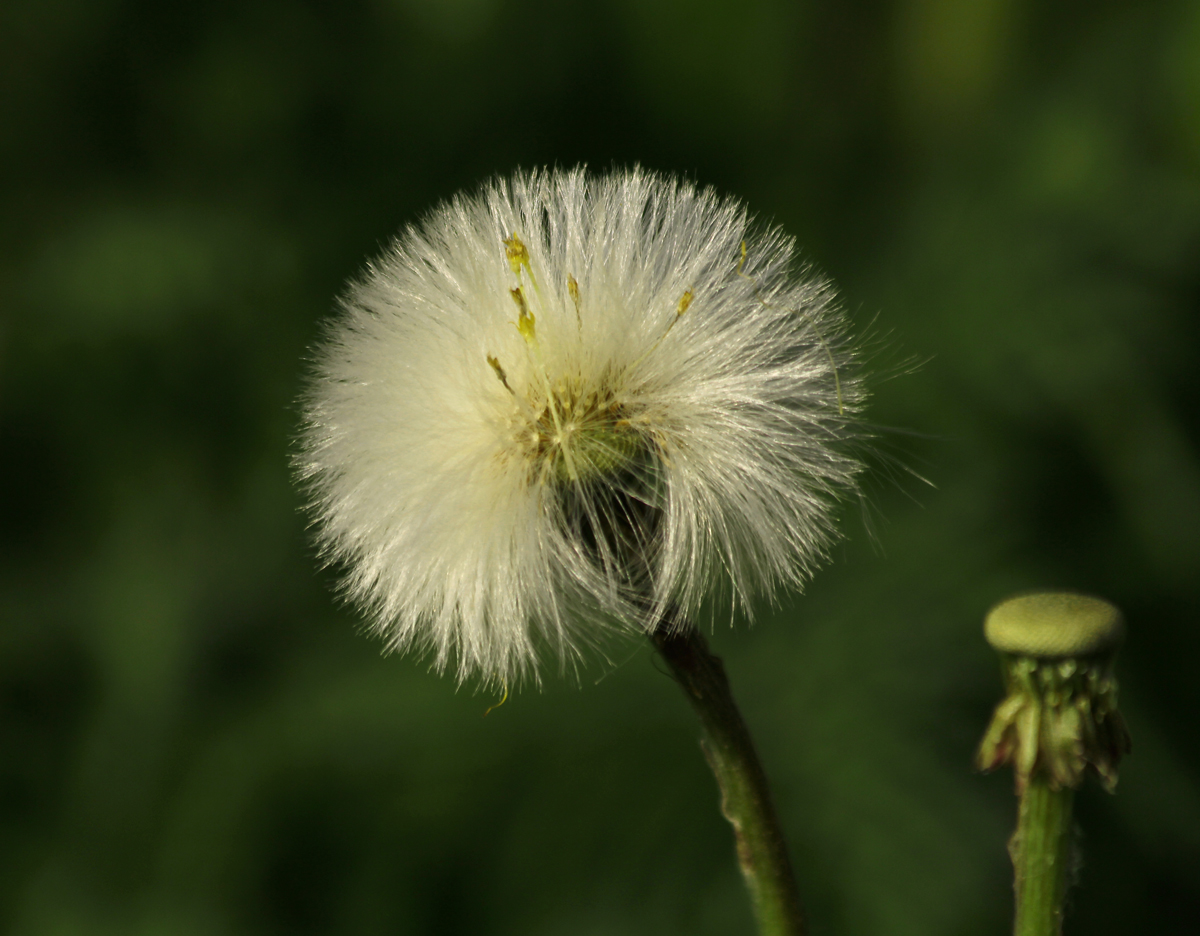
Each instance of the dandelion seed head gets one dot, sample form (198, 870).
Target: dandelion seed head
(572, 404)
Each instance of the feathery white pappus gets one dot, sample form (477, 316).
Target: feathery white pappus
(571, 403)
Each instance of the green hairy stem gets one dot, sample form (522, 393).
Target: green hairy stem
(1041, 855)
(745, 795)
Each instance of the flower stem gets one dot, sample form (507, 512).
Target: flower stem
(1040, 852)
(745, 795)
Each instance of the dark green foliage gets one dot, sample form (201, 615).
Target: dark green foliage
(193, 737)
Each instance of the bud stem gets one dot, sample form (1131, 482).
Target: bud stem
(1040, 851)
(745, 795)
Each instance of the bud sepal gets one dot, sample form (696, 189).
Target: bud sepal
(1060, 719)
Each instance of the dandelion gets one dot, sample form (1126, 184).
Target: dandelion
(571, 404)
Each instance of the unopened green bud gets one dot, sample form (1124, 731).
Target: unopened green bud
(1059, 718)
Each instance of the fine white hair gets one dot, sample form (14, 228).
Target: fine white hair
(572, 403)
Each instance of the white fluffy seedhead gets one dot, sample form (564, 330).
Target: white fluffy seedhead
(572, 403)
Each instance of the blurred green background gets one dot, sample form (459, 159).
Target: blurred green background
(195, 738)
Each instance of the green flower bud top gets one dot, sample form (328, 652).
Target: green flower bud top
(1054, 624)
(1059, 719)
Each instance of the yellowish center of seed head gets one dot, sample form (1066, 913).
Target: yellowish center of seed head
(575, 435)
(599, 437)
